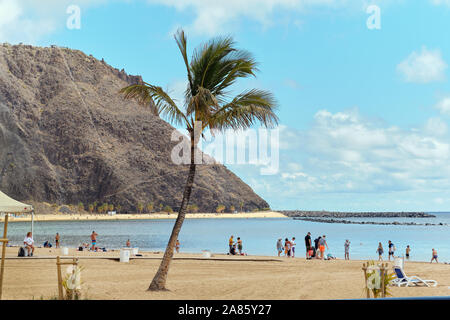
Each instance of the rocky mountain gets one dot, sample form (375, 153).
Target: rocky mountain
(67, 136)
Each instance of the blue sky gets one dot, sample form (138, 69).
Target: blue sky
(364, 113)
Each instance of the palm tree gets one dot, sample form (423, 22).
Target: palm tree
(149, 207)
(213, 68)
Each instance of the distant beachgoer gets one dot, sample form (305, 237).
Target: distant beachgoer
(391, 250)
(322, 244)
(94, 239)
(380, 251)
(239, 245)
(408, 250)
(308, 245)
(287, 248)
(347, 249)
(233, 249)
(128, 244)
(57, 240)
(177, 246)
(231, 242)
(293, 244)
(279, 246)
(434, 256)
(47, 244)
(29, 243)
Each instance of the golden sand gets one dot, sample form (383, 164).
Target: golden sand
(145, 216)
(221, 277)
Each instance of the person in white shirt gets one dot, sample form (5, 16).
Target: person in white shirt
(29, 244)
(293, 247)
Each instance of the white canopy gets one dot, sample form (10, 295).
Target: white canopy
(9, 205)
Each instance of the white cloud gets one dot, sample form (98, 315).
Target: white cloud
(441, 2)
(29, 20)
(444, 106)
(423, 67)
(213, 16)
(344, 152)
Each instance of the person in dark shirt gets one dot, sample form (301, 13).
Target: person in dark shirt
(391, 250)
(308, 244)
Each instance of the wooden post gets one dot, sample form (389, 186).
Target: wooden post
(4, 242)
(60, 287)
(365, 279)
(58, 266)
(383, 274)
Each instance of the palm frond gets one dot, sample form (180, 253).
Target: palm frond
(245, 110)
(159, 101)
(182, 45)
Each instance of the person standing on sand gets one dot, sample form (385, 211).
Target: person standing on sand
(287, 248)
(380, 251)
(177, 246)
(128, 244)
(322, 244)
(279, 246)
(434, 256)
(391, 250)
(347, 249)
(316, 247)
(231, 243)
(293, 244)
(94, 240)
(239, 245)
(308, 245)
(57, 240)
(408, 250)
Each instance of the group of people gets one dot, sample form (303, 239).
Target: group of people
(392, 248)
(235, 248)
(317, 251)
(288, 247)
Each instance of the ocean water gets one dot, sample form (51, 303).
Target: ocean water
(259, 235)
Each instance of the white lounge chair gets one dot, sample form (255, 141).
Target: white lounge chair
(404, 280)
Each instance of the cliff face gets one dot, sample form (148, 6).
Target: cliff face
(67, 136)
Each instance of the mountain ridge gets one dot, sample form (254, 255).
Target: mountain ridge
(66, 136)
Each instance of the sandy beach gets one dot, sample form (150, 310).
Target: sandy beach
(144, 216)
(194, 277)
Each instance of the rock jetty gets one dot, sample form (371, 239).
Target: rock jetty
(329, 214)
(369, 222)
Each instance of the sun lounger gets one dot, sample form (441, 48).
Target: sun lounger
(404, 280)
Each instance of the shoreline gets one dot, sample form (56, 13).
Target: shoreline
(270, 278)
(143, 216)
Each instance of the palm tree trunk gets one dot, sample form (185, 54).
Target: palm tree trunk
(159, 281)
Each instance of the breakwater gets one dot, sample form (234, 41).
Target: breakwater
(369, 222)
(330, 214)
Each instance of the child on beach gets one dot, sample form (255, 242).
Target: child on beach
(380, 252)
(434, 256)
(408, 250)
(128, 244)
(177, 246)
